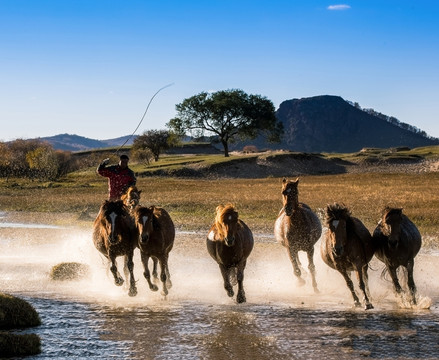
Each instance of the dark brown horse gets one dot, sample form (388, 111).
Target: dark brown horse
(156, 239)
(398, 241)
(114, 234)
(297, 228)
(230, 242)
(131, 198)
(347, 246)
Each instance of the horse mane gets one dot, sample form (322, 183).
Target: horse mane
(221, 213)
(336, 212)
(389, 210)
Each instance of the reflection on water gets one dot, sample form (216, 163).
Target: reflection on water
(95, 319)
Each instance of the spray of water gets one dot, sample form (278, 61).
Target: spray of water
(29, 254)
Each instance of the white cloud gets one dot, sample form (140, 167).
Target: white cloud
(339, 7)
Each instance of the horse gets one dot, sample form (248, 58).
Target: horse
(156, 239)
(297, 228)
(131, 197)
(398, 241)
(347, 246)
(114, 234)
(230, 242)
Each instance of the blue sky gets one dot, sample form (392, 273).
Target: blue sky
(90, 67)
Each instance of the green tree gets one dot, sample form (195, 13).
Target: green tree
(229, 114)
(156, 141)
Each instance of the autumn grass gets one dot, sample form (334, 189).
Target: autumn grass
(192, 202)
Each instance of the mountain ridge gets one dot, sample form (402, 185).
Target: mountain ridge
(324, 123)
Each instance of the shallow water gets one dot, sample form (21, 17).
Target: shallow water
(95, 319)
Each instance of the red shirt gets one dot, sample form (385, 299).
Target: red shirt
(119, 180)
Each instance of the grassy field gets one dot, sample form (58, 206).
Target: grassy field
(192, 202)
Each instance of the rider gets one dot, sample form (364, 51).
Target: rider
(120, 177)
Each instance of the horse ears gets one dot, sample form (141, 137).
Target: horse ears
(284, 180)
(297, 180)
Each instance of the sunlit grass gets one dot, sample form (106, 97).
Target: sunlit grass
(192, 201)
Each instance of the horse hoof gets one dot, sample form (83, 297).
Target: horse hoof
(357, 304)
(300, 282)
(118, 282)
(132, 292)
(164, 293)
(241, 299)
(154, 288)
(316, 291)
(368, 307)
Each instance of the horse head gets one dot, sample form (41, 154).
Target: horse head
(226, 223)
(290, 195)
(131, 198)
(145, 222)
(114, 214)
(336, 220)
(391, 225)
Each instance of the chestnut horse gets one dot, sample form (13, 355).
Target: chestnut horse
(297, 228)
(131, 198)
(114, 234)
(156, 239)
(398, 241)
(347, 246)
(229, 243)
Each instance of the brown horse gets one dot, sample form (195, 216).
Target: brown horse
(156, 239)
(398, 241)
(131, 198)
(297, 228)
(230, 242)
(114, 234)
(347, 246)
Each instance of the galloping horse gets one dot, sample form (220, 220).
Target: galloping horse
(297, 228)
(114, 234)
(398, 241)
(156, 239)
(347, 246)
(131, 198)
(229, 243)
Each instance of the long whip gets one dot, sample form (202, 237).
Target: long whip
(144, 114)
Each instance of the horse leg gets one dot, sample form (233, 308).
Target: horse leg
(240, 297)
(129, 268)
(146, 272)
(295, 262)
(155, 277)
(227, 285)
(411, 281)
(350, 285)
(163, 264)
(168, 277)
(363, 281)
(113, 268)
(394, 276)
(312, 269)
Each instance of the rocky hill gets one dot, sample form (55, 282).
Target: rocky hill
(331, 124)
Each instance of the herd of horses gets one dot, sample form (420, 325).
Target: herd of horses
(347, 246)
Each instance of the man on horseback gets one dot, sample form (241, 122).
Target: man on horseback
(120, 177)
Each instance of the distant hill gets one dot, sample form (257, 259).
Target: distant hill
(316, 124)
(69, 142)
(331, 124)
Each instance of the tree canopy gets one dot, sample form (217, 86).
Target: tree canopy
(156, 141)
(229, 114)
